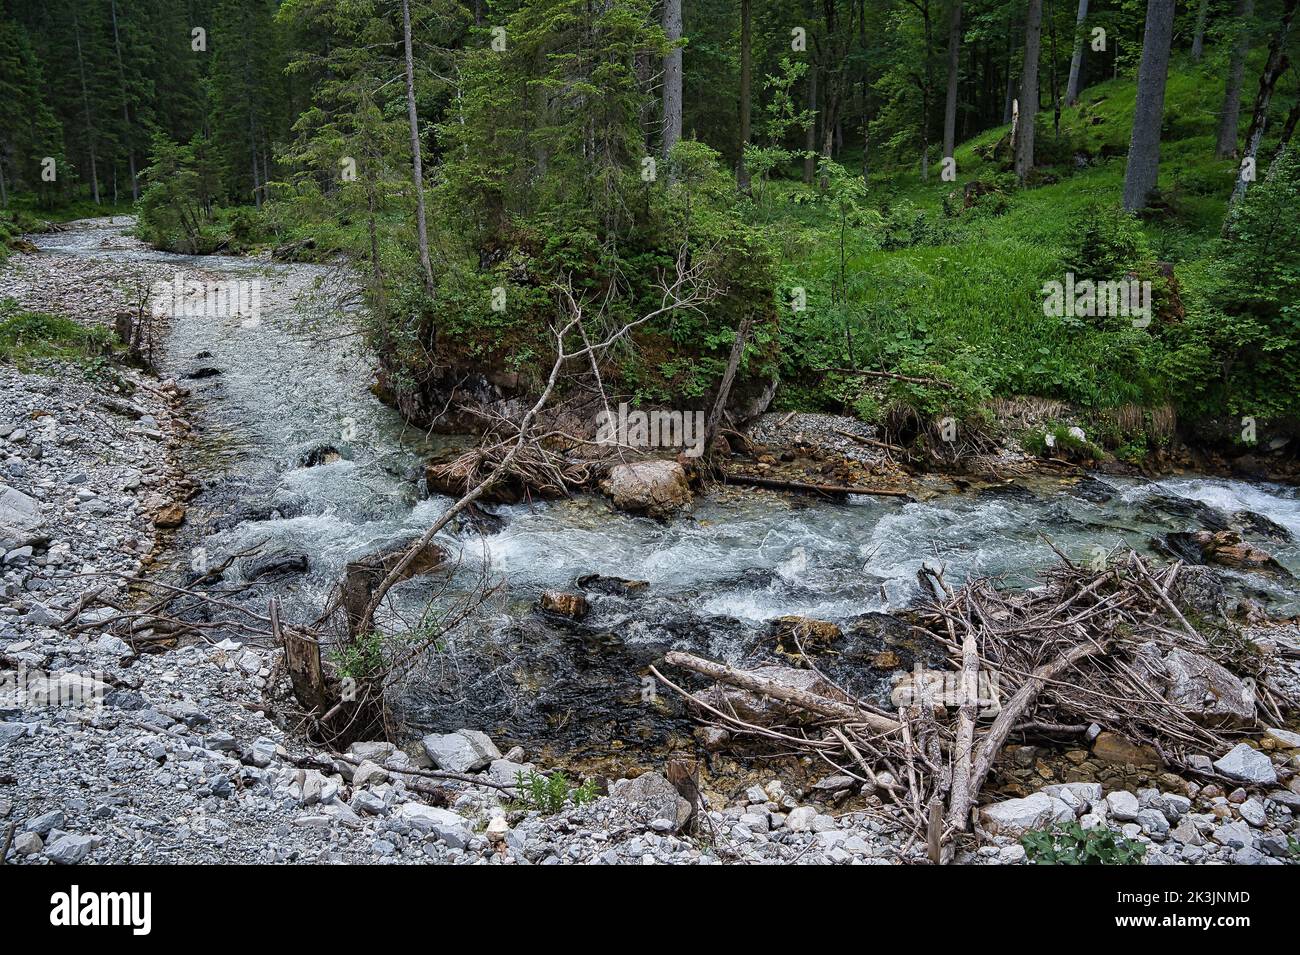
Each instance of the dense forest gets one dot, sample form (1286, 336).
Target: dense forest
(877, 193)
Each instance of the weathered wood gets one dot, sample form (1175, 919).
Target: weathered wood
(684, 774)
(362, 577)
(730, 477)
(992, 742)
(960, 800)
(934, 830)
(302, 659)
(802, 698)
(724, 389)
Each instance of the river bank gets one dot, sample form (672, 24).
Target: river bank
(283, 446)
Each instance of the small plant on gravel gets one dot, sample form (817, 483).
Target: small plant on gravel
(1071, 844)
(361, 658)
(550, 794)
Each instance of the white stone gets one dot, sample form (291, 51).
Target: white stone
(1247, 765)
(801, 819)
(1122, 805)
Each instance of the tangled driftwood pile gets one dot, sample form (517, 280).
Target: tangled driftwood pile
(1109, 648)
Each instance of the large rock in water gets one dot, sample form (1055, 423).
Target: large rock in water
(1223, 547)
(657, 489)
(20, 519)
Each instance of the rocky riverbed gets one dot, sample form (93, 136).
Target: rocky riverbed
(115, 753)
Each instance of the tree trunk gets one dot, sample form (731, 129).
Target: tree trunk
(126, 111)
(1143, 169)
(746, 92)
(1198, 37)
(252, 142)
(927, 90)
(85, 99)
(1029, 90)
(866, 135)
(1230, 113)
(1056, 81)
(4, 192)
(810, 136)
(1076, 61)
(954, 62)
(1277, 65)
(672, 24)
(1010, 96)
(421, 226)
(724, 388)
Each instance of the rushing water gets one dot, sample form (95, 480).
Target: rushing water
(273, 397)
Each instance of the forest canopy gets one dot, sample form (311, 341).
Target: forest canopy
(879, 186)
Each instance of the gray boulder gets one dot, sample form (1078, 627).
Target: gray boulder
(68, 849)
(1206, 691)
(464, 751)
(20, 520)
(652, 798)
(1015, 817)
(1122, 805)
(1247, 765)
(446, 825)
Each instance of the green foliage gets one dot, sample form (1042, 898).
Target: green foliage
(551, 794)
(27, 338)
(181, 184)
(360, 658)
(1104, 242)
(1071, 844)
(1062, 442)
(1239, 348)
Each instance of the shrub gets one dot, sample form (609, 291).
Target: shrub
(1071, 844)
(1104, 242)
(27, 337)
(550, 794)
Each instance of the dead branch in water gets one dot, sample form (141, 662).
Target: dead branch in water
(1073, 652)
(776, 484)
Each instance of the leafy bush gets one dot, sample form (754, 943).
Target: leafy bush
(1062, 441)
(903, 226)
(1104, 242)
(550, 794)
(1239, 348)
(1071, 844)
(361, 658)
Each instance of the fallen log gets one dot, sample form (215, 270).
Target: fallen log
(991, 744)
(730, 477)
(832, 709)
